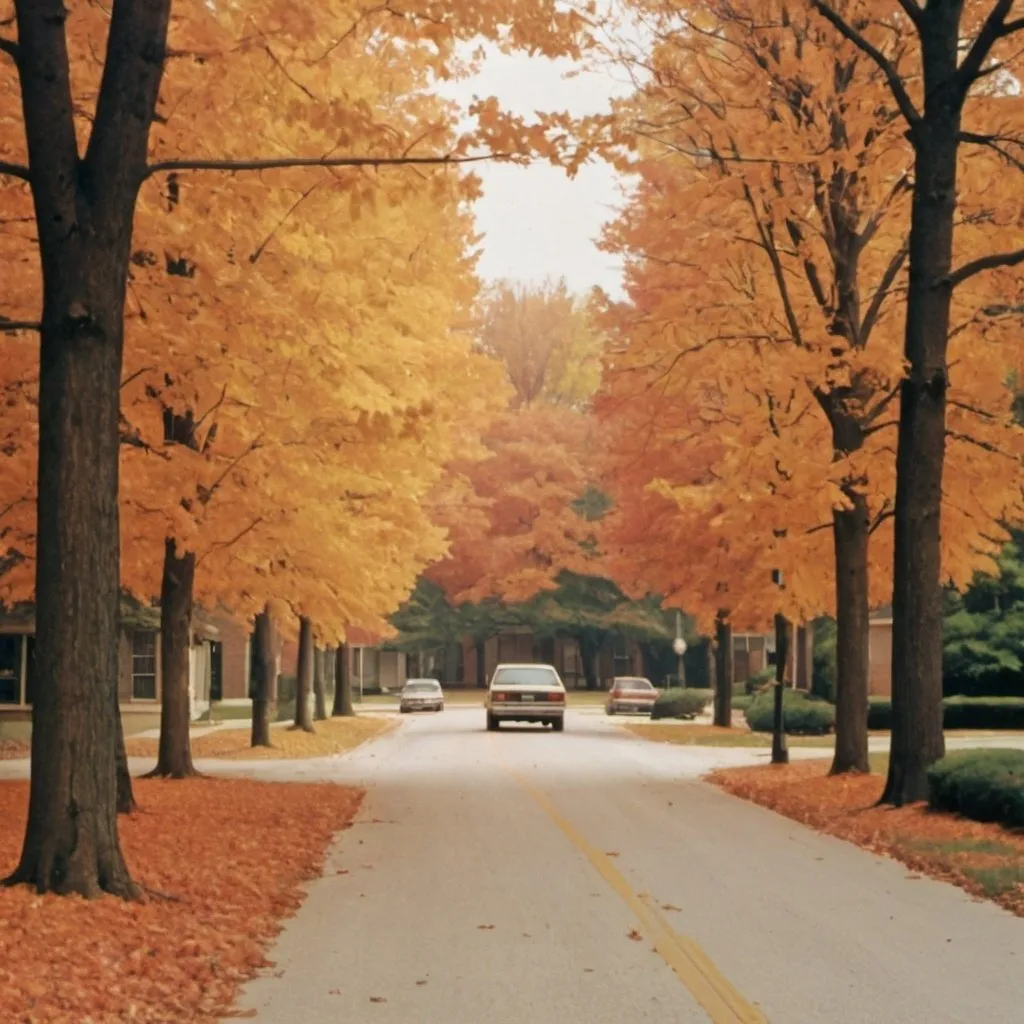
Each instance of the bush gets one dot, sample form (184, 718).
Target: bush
(986, 785)
(960, 713)
(802, 715)
(757, 683)
(742, 701)
(679, 703)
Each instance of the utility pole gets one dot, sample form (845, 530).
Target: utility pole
(780, 752)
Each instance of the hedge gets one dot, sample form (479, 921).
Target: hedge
(802, 715)
(985, 785)
(680, 703)
(960, 713)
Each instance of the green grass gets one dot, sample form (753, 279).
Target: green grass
(995, 879)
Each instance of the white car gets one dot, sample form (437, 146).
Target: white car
(421, 695)
(526, 693)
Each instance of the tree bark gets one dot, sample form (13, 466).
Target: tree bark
(304, 680)
(319, 685)
(125, 796)
(850, 532)
(917, 737)
(264, 683)
(481, 664)
(342, 685)
(84, 207)
(723, 671)
(174, 758)
(588, 658)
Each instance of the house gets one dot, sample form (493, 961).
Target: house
(218, 666)
(880, 652)
(753, 653)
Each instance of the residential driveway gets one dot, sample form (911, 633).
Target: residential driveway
(527, 877)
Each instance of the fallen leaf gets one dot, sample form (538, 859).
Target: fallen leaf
(377, 999)
(422, 981)
(635, 935)
(671, 906)
(485, 927)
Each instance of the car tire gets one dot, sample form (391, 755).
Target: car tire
(403, 711)
(609, 710)
(558, 725)
(492, 723)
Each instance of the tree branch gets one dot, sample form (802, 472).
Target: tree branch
(993, 28)
(912, 11)
(10, 326)
(10, 47)
(284, 163)
(991, 262)
(900, 94)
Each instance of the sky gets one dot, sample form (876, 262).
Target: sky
(537, 222)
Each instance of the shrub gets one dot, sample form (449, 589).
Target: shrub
(960, 713)
(986, 785)
(742, 701)
(802, 715)
(757, 683)
(679, 703)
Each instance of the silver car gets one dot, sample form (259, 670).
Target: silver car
(525, 693)
(421, 695)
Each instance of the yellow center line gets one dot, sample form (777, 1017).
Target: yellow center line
(713, 992)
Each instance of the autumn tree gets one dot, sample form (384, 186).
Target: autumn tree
(960, 94)
(84, 205)
(773, 187)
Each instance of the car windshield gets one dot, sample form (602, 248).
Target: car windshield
(422, 687)
(526, 675)
(633, 684)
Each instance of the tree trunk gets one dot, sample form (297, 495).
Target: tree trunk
(481, 664)
(850, 533)
(588, 658)
(174, 759)
(264, 683)
(780, 752)
(342, 685)
(304, 680)
(917, 738)
(319, 684)
(84, 208)
(723, 670)
(125, 796)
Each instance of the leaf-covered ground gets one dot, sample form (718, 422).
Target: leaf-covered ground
(231, 855)
(334, 736)
(986, 860)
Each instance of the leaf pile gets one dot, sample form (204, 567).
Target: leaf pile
(334, 736)
(984, 859)
(231, 855)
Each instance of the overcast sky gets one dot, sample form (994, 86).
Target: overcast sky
(536, 221)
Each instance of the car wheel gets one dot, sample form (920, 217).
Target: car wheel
(558, 725)
(404, 711)
(492, 723)
(609, 710)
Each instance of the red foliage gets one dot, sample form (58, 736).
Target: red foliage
(222, 863)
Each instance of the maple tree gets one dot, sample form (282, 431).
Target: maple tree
(87, 153)
(960, 92)
(767, 239)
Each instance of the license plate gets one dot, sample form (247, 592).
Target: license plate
(527, 696)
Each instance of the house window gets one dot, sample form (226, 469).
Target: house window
(143, 665)
(10, 669)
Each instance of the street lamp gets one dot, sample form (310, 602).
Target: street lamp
(679, 646)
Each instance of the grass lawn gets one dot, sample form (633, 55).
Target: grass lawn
(334, 736)
(688, 735)
(987, 860)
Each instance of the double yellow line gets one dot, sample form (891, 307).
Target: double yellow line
(709, 987)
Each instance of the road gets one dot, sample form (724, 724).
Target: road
(526, 877)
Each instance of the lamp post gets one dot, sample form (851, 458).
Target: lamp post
(679, 646)
(780, 752)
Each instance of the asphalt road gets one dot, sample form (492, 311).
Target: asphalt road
(526, 877)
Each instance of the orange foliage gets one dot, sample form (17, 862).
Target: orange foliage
(239, 854)
(751, 389)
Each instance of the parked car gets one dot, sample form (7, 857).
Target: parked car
(631, 693)
(525, 693)
(421, 695)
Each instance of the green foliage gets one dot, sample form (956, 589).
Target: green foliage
(823, 672)
(803, 715)
(960, 713)
(757, 683)
(742, 701)
(679, 703)
(985, 785)
(983, 642)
